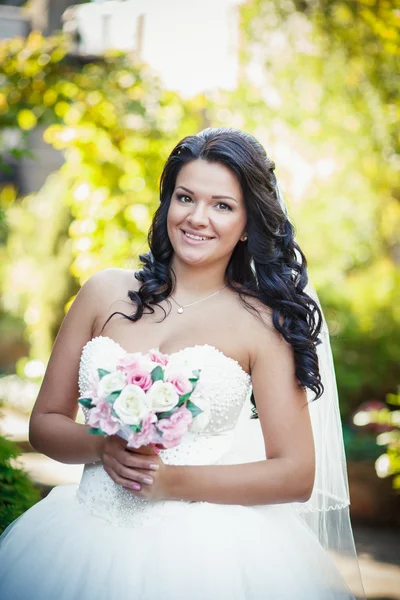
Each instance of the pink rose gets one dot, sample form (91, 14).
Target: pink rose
(158, 357)
(128, 362)
(91, 393)
(139, 376)
(174, 427)
(180, 382)
(101, 417)
(146, 435)
(93, 387)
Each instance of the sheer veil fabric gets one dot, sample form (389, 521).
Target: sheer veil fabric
(326, 513)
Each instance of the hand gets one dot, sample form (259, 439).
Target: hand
(139, 471)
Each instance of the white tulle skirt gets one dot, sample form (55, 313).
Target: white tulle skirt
(57, 550)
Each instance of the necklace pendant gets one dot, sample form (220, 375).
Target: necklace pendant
(180, 310)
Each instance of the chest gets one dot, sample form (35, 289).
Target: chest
(172, 331)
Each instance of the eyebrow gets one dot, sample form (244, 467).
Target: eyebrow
(214, 197)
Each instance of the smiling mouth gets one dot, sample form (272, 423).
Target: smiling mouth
(199, 238)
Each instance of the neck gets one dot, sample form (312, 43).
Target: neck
(192, 282)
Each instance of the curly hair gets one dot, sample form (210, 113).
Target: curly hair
(270, 267)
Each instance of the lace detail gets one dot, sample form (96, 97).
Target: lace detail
(110, 502)
(222, 391)
(327, 503)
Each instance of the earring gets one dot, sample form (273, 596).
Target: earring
(244, 239)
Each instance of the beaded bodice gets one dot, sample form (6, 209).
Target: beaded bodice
(222, 389)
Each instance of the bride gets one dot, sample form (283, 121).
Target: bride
(222, 288)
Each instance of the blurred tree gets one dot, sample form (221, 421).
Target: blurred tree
(114, 125)
(323, 106)
(17, 492)
(384, 420)
(318, 87)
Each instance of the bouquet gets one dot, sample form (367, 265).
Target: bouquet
(145, 400)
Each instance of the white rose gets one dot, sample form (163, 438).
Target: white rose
(111, 383)
(202, 419)
(131, 405)
(162, 396)
(178, 365)
(145, 361)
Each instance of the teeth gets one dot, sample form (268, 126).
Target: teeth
(196, 237)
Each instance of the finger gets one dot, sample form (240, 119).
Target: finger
(128, 473)
(139, 461)
(114, 452)
(131, 459)
(126, 483)
(143, 450)
(143, 493)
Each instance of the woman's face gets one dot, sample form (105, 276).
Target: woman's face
(207, 215)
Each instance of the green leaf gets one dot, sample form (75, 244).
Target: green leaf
(184, 397)
(113, 396)
(95, 431)
(194, 383)
(157, 374)
(102, 372)
(165, 415)
(194, 409)
(86, 402)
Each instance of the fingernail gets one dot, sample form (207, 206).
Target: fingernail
(136, 486)
(157, 450)
(154, 467)
(147, 480)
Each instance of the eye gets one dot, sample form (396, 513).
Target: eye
(224, 207)
(182, 197)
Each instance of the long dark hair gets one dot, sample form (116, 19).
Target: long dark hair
(270, 266)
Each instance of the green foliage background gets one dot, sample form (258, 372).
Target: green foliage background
(320, 83)
(114, 125)
(318, 87)
(17, 492)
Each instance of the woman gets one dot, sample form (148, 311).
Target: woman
(222, 288)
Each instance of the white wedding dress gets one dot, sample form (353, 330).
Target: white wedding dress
(97, 541)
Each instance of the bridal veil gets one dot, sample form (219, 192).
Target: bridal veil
(326, 512)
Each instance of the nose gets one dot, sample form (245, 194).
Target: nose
(198, 216)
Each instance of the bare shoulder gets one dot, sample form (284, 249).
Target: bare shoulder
(114, 278)
(255, 314)
(258, 328)
(110, 289)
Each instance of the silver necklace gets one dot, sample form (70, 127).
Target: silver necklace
(182, 306)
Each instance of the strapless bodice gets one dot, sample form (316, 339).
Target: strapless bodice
(221, 392)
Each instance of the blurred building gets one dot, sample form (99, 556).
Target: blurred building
(18, 17)
(13, 21)
(193, 45)
(99, 26)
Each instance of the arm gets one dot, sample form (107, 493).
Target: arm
(52, 427)
(288, 474)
